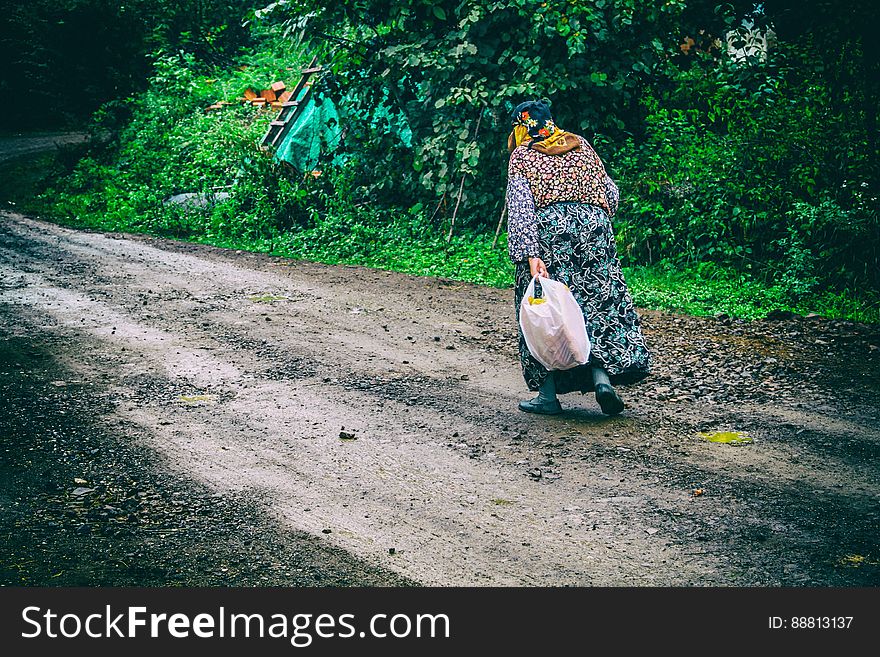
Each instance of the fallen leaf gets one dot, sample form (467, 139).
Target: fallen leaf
(193, 400)
(726, 437)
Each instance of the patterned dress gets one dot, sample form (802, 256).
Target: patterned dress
(559, 210)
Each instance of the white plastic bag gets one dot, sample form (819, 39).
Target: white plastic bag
(553, 326)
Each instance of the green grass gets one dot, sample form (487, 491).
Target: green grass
(470, 257)
(739, 295)
(22, 179)
(467, 257)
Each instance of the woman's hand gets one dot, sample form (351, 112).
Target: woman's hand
(538, 268)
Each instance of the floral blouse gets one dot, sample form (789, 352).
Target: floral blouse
(536, 180)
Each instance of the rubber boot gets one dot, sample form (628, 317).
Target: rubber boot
(546, 402)
(606, 395)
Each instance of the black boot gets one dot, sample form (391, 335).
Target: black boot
(545, 403)
(606, 395)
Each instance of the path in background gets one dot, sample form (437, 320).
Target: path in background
(12, 146)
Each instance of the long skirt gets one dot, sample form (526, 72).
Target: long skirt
(577, 245)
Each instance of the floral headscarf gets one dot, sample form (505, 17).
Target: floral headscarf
(534, 125)
(534, 116)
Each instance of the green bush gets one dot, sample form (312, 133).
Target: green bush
(749, 169)
(744, 188)
(172, 146)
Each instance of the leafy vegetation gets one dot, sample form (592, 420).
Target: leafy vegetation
(748, 184)
(62, 59)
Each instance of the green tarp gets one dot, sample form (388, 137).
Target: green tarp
(317, 130)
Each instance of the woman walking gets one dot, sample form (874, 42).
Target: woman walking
(560, 202)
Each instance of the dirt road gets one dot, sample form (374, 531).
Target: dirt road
(371, 417)
(13, 146)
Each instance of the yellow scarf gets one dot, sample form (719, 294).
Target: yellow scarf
(556, 144)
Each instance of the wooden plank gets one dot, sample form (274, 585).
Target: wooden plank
(278, 87)
(290, 119)
(316, 69)
(250, 94)
(302, 81)
(298, 88)
(268, 94)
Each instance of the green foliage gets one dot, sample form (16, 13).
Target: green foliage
(751, 167)
(745, 187)
(171, 146)
(64, 58)
(710, 290)
(456, 69)
(401, 244)
(718, 160)
(22, 179)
